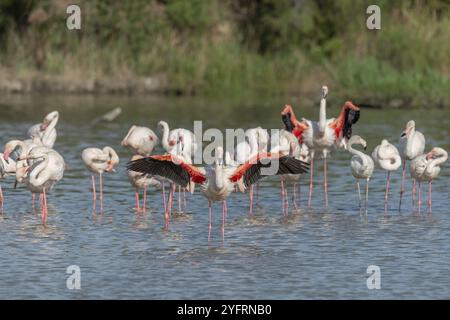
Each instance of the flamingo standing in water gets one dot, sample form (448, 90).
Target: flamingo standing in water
(171, 141)
(7, 168)
(141, 182)
(321, 136)
(411, 145)
(99, 161)
(286, 143)
(217, 181)
(140, 140)
(425, 167)
(361, 165)
(386, 157)
(44, 168)
(44, 134)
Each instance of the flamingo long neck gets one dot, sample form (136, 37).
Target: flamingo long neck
(362, 156)
(50, 127)
(219, 177)
(165, 137)
(253, 142)
(442, 157)
(323, 115)
(410, 140)
(40, 175)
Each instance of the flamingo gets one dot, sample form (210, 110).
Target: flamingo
(361, 165)
(140, 140)
(44, 133)
(247, 149)
(286, 143)
(141, 181)
(170, 141)
(99, 161)
(411, 145)
(386, 157)
(218, 180)
(425, 167)
(7, 168)
(45, 167)
(320, 136)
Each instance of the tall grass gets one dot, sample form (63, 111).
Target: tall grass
(235, 47)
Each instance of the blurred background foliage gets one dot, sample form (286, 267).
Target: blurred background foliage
(239, 46)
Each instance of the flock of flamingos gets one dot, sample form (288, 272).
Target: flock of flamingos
(34, 163)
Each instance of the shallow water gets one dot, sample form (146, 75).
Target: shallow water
(313, 253)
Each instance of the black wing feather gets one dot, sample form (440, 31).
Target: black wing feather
(286, 165)
(351, 117)
(166, 169)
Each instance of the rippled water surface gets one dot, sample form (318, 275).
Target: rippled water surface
(313, 253)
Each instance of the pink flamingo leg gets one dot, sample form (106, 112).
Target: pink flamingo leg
(144, 205)
(325, 184)
(295, 196)
(419, 203)
(179, 198)
(250, 210)
(282, 196)
(101, 193)
(210, 218)
(286, 197)
(386, 194)
(429, 196)
(184, 200)
(413, 193)
(402, 188)
(164, 197)
(136, 197)
(44, 216)
(1, 198)
(226, 211)
(94, 194)
(311, 181)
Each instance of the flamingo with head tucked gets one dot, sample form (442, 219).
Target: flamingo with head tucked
(386, 157)
(44, 134)
(44, 168)
(323, 135)
(140, 140)
(141, 182)
(99, 161)
(426, 167)
(411, 145)
(218, 180)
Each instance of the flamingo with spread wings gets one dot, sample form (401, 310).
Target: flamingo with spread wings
(218, 181)
(323, 135)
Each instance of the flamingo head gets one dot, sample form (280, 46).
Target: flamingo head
(48, 119)
(410, 125)
(288, 117)
(324, 92)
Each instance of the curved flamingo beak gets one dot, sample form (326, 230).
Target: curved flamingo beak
(43, 126)
(6, 154)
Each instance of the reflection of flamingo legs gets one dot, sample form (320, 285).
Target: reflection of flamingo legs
(250, 210)
(136, 196)
(419, 203)
(402, 188)
(210, 218)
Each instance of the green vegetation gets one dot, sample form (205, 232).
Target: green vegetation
(235, 47)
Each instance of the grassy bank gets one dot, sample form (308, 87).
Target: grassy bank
(233, 47)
